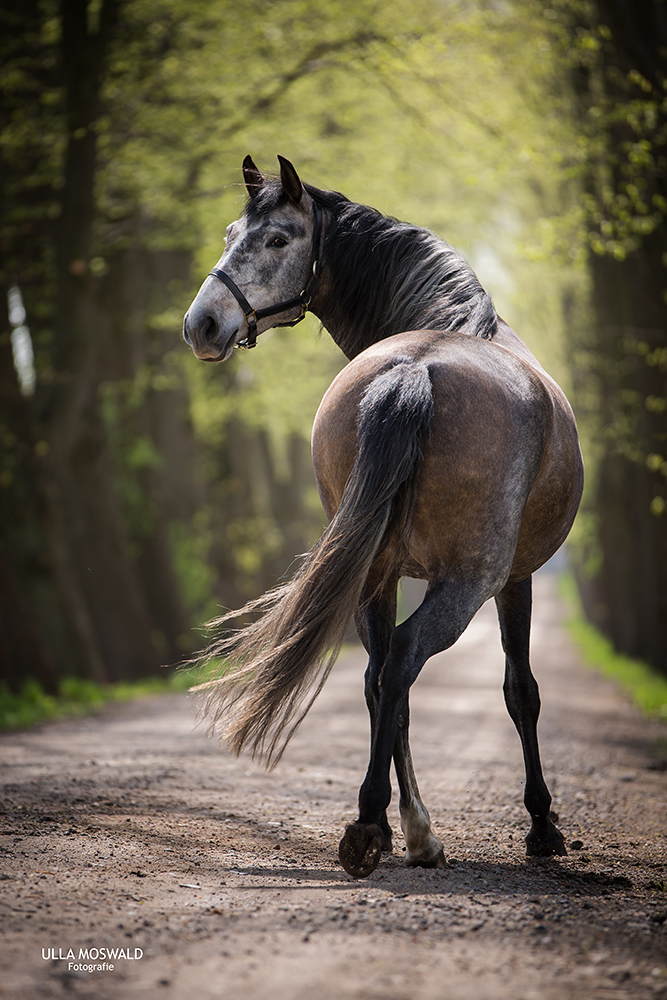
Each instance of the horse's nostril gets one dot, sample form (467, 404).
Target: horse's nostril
(209, 329)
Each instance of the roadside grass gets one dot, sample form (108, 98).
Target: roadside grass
(79, 697)
(645, 687)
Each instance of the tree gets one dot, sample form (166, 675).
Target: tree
(110, 112)
(620, 86)
(143, 489)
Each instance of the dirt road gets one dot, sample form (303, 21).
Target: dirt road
(130, 831)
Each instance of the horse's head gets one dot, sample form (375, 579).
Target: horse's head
(267, 271)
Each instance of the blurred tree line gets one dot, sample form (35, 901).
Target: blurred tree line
(618, 58)
(139, 489)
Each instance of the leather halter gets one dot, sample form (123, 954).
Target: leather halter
(253, 316)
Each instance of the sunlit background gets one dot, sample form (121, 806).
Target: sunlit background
(142, 490)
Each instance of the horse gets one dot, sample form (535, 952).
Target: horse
(443, 451)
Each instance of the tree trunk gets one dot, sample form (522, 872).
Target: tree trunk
(631, 586)
(103, 592)
(624, 85)
(24, 562)
(155, 452)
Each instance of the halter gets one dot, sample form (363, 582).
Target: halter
(253, 316)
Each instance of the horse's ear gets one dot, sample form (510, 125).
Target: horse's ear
(252, 177)
(290, 180)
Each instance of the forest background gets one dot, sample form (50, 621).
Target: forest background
(140, 490)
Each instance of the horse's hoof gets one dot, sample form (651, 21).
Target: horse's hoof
(436, 860)
(360, 849)
(546, 845)
(433, 856)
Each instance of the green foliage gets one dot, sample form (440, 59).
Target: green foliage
(464, 117)
(621, 121)
(645, 687)
(77, 696)
(190, 545)
(32, 705)
(276, 388)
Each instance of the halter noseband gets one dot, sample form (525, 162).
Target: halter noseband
(253, 316)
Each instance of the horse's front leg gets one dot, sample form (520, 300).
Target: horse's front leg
(523, 704)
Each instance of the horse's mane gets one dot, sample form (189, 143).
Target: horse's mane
(388, 276)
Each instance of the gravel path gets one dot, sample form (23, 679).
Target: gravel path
(128, 830)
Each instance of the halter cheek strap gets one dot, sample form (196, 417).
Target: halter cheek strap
(253, 316)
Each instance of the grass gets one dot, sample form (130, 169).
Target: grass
(78, 697)
(645, 686)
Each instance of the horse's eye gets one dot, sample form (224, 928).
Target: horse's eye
(278, 242)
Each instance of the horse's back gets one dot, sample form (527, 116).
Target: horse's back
(501, 474)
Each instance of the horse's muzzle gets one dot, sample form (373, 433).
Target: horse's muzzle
(202, 333)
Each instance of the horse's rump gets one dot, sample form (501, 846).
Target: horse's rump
(491, 448)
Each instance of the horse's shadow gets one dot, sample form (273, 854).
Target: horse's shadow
(503, 879)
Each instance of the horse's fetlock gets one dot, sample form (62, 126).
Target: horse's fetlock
(373, 801)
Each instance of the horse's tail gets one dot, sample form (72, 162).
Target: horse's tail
(275, 667)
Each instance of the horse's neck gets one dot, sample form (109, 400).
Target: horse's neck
(364, 298)
(351, 338)
(347, 304)
(353, 329)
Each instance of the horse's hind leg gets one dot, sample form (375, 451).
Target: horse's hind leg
(523, 704)
(423, 849)
(362, 846)
(376, 620)
(437, 623)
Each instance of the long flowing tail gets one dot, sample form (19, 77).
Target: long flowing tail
(275, 667)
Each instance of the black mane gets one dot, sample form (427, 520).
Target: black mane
(383, 276)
